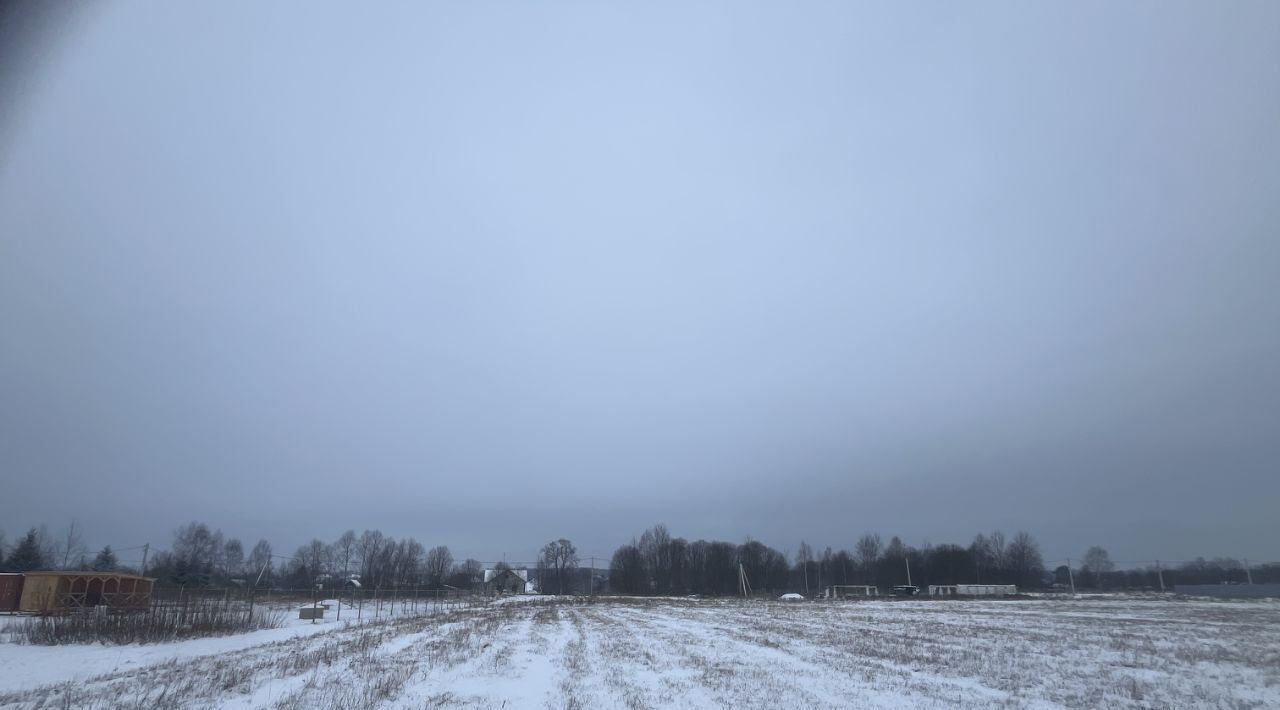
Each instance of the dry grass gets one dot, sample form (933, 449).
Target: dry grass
(680, 653)
(196, 619)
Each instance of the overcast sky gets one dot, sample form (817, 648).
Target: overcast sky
(490, 274)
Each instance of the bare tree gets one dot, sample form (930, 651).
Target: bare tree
(559, 557)
(867, 552)
(804, 556)
(406, 561)
(467, 574)
(260, 562)
(1024, 560)
(197, 552)
(626, 571)
(232, 558)
(826, 568)
(312, 558)
(655, 550)
(50, 548)
(1097, 561)
(71, 544)
(369, 548)
(345, 548)
(980, 550)
(439, 563)
(999, 554)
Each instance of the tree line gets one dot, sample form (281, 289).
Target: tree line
(1097, 571)
(659, 564)
(202, 556)
(654, 563)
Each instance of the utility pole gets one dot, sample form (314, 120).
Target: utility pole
(1160, 574)
(1071, 576)
(1247, 572)
(145, 549)
(253, 593)
(908, 563)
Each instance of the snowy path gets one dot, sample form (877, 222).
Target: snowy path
(693, 654)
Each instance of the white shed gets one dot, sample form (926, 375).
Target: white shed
(986, 590)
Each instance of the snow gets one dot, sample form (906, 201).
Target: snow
(32, 666)
(26, 666)
(531, 652)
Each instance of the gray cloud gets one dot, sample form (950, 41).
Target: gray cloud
(792, 273)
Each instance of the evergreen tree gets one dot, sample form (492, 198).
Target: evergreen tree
(105, 561)
(26, 554)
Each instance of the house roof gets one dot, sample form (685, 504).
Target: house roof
(489, 574)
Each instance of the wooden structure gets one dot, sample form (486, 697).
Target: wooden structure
(10, 592)
(62, 592)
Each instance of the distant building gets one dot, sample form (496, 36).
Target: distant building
(508, 581)
(845, 591)
(973, 590)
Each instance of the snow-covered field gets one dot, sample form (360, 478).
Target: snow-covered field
(635, 653)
